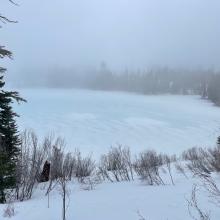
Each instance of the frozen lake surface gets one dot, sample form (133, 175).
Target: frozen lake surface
(93, 120)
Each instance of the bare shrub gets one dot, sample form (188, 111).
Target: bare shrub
(211, 187)
(167, 161)
(29, 165)
(198, 161)
(116, 165)
(78, 166)
(147, 167)
(60, 172)
(192, 154)
(202, 162)
(180, 169)
(70, 165)
(213, 158)
(84, 166)
(206, 162)
(56, 158)
(64, 192)
(32, 160)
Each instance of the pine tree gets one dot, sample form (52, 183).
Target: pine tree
(9, 138)
(9, 146)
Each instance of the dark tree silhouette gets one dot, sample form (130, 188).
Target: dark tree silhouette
(9, 138)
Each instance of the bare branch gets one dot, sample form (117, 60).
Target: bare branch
(193, 206)
(140, 216)
(14, 3)
(5, 53)
(5, 20)
(213, 190)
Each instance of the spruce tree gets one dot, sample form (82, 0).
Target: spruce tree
(9, 138)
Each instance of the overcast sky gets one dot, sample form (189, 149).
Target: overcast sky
(123, 33)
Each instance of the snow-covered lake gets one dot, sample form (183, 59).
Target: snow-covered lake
(93, 121)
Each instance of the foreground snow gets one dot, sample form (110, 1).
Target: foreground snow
(118, 201)
(94, 120)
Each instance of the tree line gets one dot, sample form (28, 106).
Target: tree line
(160, 81)
(205, 83)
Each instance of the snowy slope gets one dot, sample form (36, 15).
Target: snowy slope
(94, 120)
(118, 201)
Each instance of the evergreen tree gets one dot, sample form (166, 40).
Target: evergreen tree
(214, 89)
(218, 141)
(9, 138)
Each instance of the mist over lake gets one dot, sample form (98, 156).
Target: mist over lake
(93, 121)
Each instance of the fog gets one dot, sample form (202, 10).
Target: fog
(123, 33)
